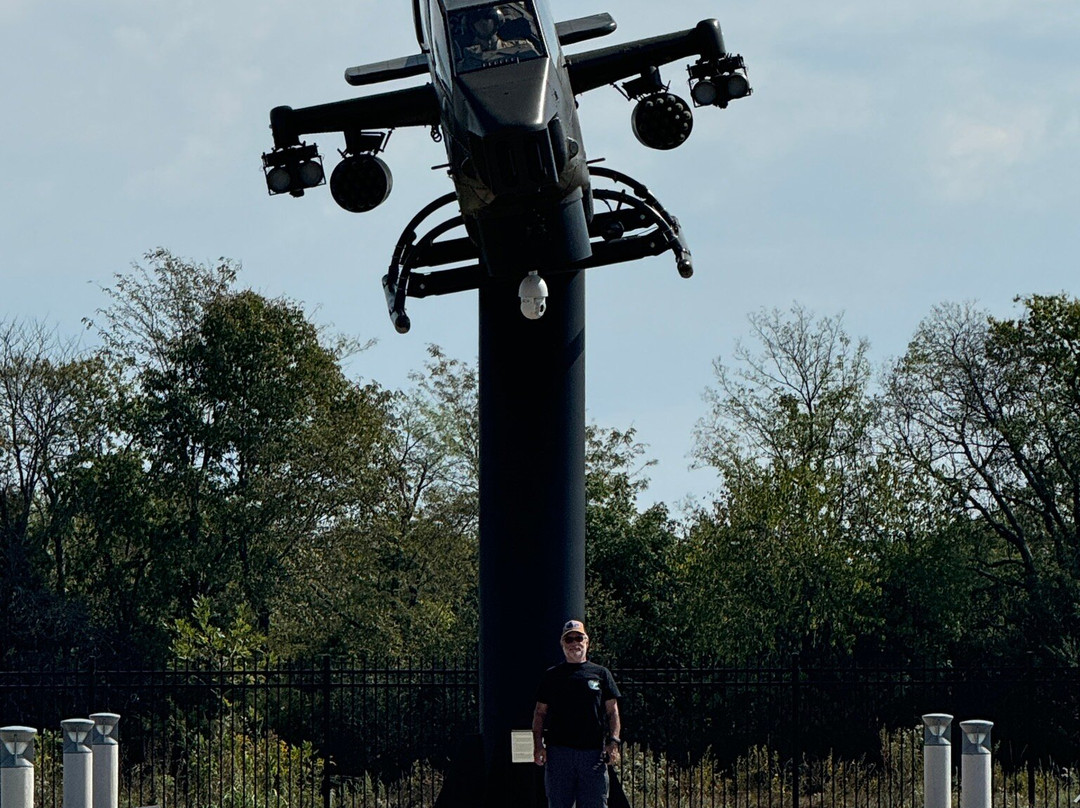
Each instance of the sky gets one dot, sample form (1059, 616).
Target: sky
(893, 156)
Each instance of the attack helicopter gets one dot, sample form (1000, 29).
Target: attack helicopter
(502, 99)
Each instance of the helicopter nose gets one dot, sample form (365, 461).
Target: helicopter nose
(516, 162)
(515, 149)
(513, 96)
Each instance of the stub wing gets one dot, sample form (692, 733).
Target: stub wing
(598, 68)
(583, 28)
(402, 68)
(414, 106)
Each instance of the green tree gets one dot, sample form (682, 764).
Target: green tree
(205, 640)
(817, 527)
(405, 583)
(156, 304)
(798, 399)
(244, 444)
(437, 453)
(990, 411)
(52, 404)
(629, 554)
(116, 529)
(632, 556)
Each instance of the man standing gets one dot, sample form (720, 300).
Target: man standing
(577, 709)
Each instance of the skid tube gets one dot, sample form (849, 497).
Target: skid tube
(628, 211)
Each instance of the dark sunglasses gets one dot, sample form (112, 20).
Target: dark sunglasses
(574, 638)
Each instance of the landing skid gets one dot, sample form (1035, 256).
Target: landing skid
(631, 224)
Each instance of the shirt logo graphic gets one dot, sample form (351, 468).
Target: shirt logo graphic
(594, 684)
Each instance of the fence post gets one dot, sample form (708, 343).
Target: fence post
(91, 682)
(976, 770)
(326, 681)
(78, 763)
(17, 767)
(937, 760)
(106, 752)
(796, 735)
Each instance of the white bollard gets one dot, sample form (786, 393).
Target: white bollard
(17, 767)
(78, 763)
(976, 771)
(937, 760)
(106, 751)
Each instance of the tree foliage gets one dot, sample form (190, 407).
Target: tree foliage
(405, 582)
(822, 541)
(782, 563)
(631, 555)
(990, 410)
(209, 484)
(52, 403)
(799, 399)
(235, 444)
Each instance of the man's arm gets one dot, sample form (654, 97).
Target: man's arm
(539, 716)
(611, 748)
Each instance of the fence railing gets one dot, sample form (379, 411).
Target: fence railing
(378, 735)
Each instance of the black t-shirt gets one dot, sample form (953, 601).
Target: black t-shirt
(575, 694)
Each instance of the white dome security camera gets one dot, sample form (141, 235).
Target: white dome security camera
(533, 292)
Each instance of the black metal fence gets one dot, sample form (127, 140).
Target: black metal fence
(321, 736)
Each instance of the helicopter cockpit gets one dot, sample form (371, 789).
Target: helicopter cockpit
(496, 34)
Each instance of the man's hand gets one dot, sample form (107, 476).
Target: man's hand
(611, 748)
(611, 752)
(539, 716)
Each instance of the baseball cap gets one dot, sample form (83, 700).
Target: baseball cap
(573, 625)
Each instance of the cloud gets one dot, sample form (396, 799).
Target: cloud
(998, 148)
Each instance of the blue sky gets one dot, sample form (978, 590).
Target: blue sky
(893, 156)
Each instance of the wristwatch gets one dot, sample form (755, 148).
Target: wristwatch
(617, 741)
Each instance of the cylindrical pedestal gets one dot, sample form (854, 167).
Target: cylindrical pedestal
(937, 760)
(78, 763)
(106, 754)
(976, 771)
(17, 767)
(532, 512)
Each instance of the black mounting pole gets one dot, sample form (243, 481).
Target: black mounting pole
(532, 510)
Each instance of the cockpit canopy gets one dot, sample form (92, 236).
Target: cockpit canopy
(494, 34)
